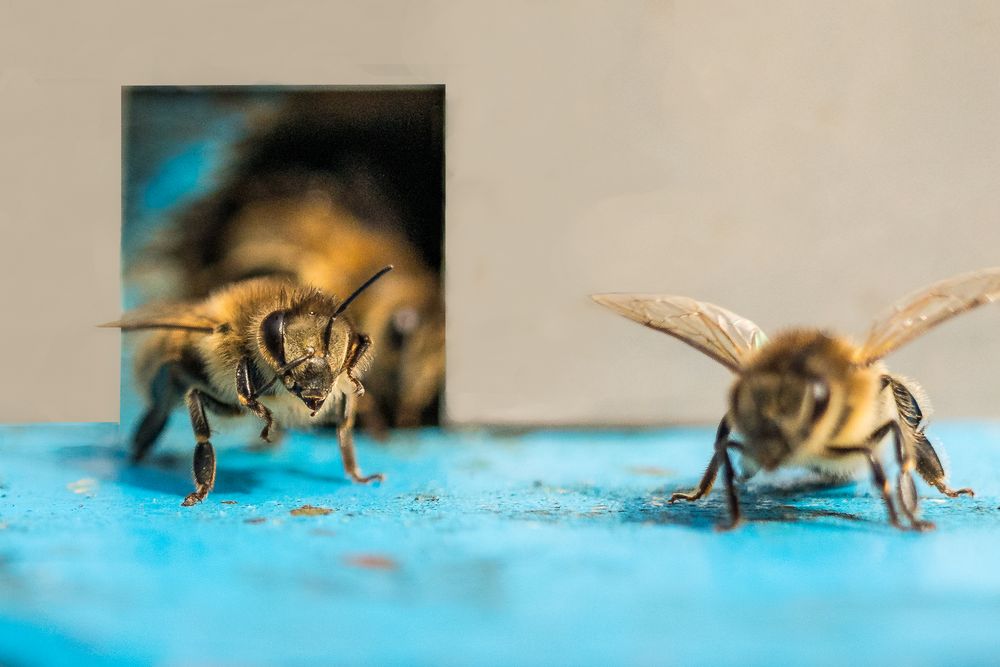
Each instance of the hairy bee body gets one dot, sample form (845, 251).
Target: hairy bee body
(269, 347)
(853, 403)
(810, 399)
(212, 359)
(313, 240)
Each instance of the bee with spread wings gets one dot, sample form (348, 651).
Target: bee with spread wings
(807, 398)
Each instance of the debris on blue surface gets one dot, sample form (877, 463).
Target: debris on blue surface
(541, 548)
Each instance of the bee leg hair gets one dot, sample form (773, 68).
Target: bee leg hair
(204, 453)
(930, 468)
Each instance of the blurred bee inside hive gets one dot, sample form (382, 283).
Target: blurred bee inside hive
(323, 187)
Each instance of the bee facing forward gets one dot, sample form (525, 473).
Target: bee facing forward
(807, 398)
(279, 350)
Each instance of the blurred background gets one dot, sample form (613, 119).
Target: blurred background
(798, 163)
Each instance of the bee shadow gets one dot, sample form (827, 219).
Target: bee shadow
(166, 473)
(761, 503)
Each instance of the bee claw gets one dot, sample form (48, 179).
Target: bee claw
(731, 525)
(193, 499)
(377, 477)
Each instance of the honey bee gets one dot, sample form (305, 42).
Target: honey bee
(267, 346)
(811, 399)
(310, 238)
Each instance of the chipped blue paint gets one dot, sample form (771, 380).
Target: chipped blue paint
(540, 548)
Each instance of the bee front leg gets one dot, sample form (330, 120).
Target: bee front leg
(719, 459)
(345, 437)
(735, 517)
(704, 486)
(247, 394)
(204, 453)
(362, 344)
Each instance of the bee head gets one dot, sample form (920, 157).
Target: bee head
(778, 402)
(776, 413)
(309, 345)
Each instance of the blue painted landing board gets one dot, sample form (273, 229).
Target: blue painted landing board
(536, 549)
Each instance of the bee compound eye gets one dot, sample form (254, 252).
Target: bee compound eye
(820, 392)
(272, 331)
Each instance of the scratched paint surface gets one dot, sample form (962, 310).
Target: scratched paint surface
(534, 549)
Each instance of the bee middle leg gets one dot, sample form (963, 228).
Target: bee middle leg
(204, 453)
(878, 473)
(906, 492)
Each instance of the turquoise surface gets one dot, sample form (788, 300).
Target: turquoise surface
(539, 548)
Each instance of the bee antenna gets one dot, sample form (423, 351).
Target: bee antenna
(368, 283)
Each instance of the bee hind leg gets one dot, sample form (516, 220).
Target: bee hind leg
(204, 453)
(927, 463)
(929, 466)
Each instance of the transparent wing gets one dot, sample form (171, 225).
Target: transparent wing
(722, 335)
(164, 317)
(921, 311)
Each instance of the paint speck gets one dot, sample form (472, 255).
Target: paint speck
(311, 510)
(256, 519)
(229, 502)
(85, 485)
(324, 532)
(372, 562)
